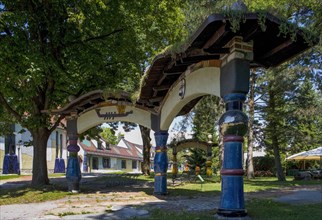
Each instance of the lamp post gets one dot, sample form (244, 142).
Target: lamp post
(19, 145)
(209, 154)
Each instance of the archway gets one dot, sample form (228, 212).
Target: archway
(192, 143)
(174, 83)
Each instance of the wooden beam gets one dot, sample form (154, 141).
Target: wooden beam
(276, 49)
(164, 75)
(161, 88)
(251, 31)
(156, 99)
(80, 108)
(216, 36)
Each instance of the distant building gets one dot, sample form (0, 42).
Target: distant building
(14, 147)
(16, 157)
(256, 153)
(99, 156)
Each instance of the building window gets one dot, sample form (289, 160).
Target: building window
(99, 144)
(106, 162)
(123, 166)
(134, 164)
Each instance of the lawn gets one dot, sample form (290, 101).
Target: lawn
(31, 195)
(258, 209)
(8, 176)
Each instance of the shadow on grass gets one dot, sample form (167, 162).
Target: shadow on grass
(102, 184)
(17, 192)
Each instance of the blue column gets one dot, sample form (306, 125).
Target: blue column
(59, 165)
(10, 164)
(160, 163)
(85, 167)
(233, 126)
(73, 173)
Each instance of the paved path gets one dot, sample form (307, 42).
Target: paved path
(301, 197)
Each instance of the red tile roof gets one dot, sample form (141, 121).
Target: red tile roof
(113, 151)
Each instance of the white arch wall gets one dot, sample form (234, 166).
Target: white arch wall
(203, 81)
(90, 119)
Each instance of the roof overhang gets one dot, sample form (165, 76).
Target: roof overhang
(270, 48)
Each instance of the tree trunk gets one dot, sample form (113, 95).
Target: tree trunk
(278, 164)
(145, 133)
(250, 137)
(39, 166)
(275, 143)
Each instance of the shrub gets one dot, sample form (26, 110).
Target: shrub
(262, 173)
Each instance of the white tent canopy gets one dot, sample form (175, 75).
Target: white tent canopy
(314, 154)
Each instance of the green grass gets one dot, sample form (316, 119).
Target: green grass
(31, 195)
(268, 183)
(258, 209)
(9, 176)
(159, 214)
(53, 175)
(267, 209)
(14, 176)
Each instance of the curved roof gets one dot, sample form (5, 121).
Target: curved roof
(190, 143)
(93, 99)
(270, 49)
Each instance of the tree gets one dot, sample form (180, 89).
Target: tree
(299, 13)
(145, 133)
(50, 50)
(290, 111)
(205, 117)
(109, 135)
(196, 158)
(250, 134)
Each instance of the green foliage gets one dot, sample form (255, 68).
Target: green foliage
(50, 50)
(197, 157)
(289, 109)
(265, 163)
(109, 135)
(205, 117)
(92, 133)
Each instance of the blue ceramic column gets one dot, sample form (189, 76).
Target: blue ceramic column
(233, 126)
(73, 173)
(160, 163)
(85, 167)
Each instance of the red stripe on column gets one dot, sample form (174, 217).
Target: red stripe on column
(73, 142)
(232, 172)
(233, 138)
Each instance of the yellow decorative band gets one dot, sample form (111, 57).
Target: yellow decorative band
(159, 150)
(160, 174)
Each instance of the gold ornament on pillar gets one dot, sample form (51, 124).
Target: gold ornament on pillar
(208, 167)
(174, 165)
(121, 109)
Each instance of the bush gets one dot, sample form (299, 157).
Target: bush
(266, 163)
(262, 173)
